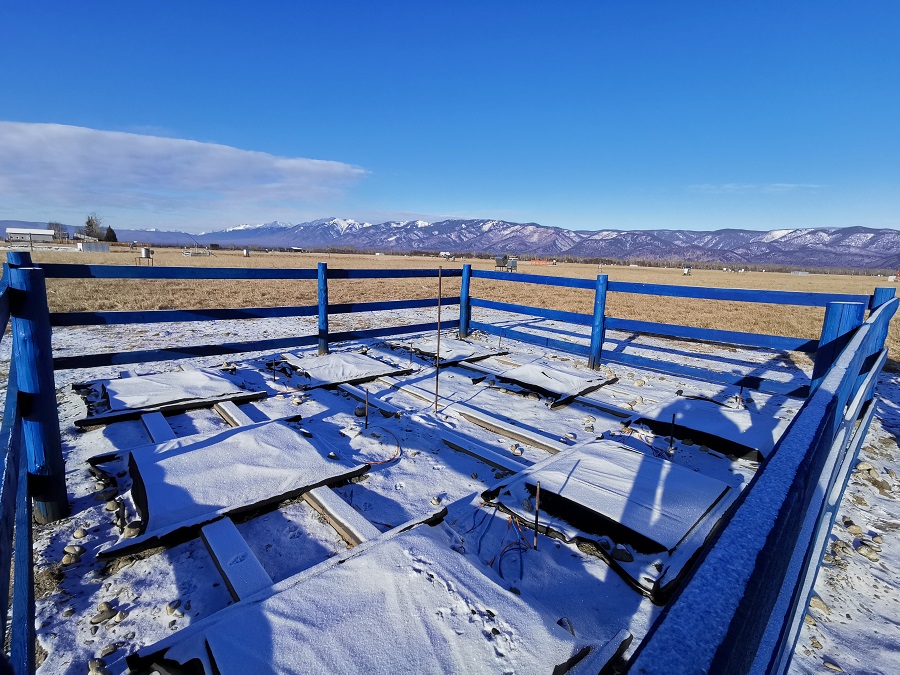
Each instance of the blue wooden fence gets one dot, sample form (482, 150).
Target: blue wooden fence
(804, 480)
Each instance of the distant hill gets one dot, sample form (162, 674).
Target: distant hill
(849, 247)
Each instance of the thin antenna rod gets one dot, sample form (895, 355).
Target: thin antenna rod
(437, 356)
(537, 511)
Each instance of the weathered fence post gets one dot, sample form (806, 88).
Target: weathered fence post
(37, 388)
(465, 302)
(881, 295)
(841, 319)
(598, 329)
(323, 308)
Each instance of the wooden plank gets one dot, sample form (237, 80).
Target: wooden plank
(350, 308)
(158, 427)
(168, 408)
(532, 339)
(229, 412)
(66, 271)
(465, 302)
(22, 649)
(736, 294)
(598, 326)
(480, 452)
(841, 320)
(173, 353)
(389, 274)
(787, 344)
(127, 373)
(168, 315)
(553, 314)
(10, 459)
(244, 575)
(391, 330)
(346, 520)
(187, 366)
(386, 409)
(526, 278)
(498, 426)
(322, 288)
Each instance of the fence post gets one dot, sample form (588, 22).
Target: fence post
(841, 319)
(323, 308)
(598, 329)
(37, 389)
(465, 303)
(881, 295)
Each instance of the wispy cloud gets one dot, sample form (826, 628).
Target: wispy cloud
(738, 188)
(74, 167)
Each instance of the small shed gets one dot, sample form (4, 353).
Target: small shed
(29, 235)
(93, 247)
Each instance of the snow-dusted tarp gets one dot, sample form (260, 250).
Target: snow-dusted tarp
(146, 391)
(188, 481)
(655, 498)
(552, 381)
(454, 350)
(407, 604)
(740, 430)
(339, 368)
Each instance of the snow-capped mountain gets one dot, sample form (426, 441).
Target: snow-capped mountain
(856, 247)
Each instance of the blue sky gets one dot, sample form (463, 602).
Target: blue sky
(586, 115)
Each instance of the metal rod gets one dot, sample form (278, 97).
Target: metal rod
(367, 408)
(437, 356)
(672, 435)
(537, 511)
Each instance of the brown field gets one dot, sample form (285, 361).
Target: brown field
(90, 295)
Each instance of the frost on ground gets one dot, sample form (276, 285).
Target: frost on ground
(853, 621)
(153, 594)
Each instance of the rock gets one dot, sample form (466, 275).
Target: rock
(103, 607)
(873, 474)
(173, 624)
(703, 448)
(867, 552)
(80, 533)
(832, 666)
(99, 485)
(878, 539)
(816, 644)
(515, 449)
(864, 466)
(621, 553)
(809, 620)
(639, 383)
(436, 501)
(892, 474)
(855, 530)
(360, 410)
(94, 664)
(111, 506)
(74, 549)
(687, 442)
(130, 636)
(120, 616)
(70, 559)
(172, 606)
(67, 612)
(571, 436)
(815, 602)
(187, 605)
(108, 649)
(133, 528)
(94, 629)
(102, 616)
(332, 455)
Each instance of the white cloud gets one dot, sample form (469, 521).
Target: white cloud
(53, 166)
(740, 188)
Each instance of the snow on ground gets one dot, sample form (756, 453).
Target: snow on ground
(413, 474)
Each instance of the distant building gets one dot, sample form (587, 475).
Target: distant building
(31, 236)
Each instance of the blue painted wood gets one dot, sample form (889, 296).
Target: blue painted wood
(555, 314)
(323, 307)
(598, 325)
(19, 259)
(881, 295)
(59, 271)
(10, 461)
(22, 650)
(389, 274)
(711, 335)
(174, 353)
(37, 391)
(567, 282)
(167, 315)
(465, 302)
(841, 319)
(532, 339)
(736, 294)
(391, 330)
(4, 306)
(351, 308)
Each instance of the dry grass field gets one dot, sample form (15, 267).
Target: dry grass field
(88, 295)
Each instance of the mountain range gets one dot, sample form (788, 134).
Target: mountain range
(846, 247)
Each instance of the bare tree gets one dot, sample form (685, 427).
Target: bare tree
(92, 226)
(60, 231)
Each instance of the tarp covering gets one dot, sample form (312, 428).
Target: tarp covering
(653, 497)
(188, 481)
(339, 368)
(741, 429)
(453, 350)
(408, 604)
(557, 382)
(145, 391)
